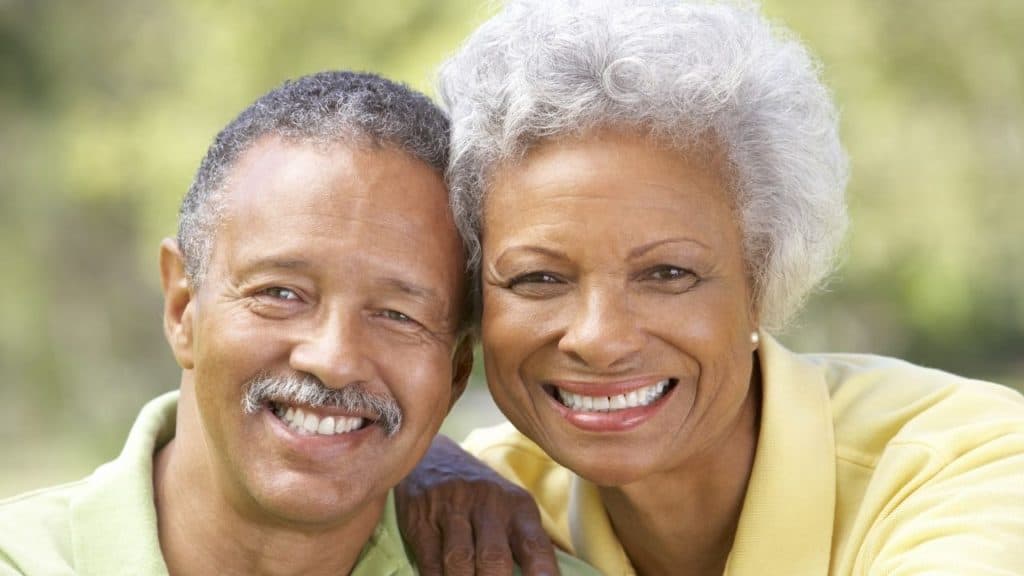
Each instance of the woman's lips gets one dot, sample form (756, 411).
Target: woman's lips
(609, 406)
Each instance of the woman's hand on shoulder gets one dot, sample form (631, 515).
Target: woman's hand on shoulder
(459, 517)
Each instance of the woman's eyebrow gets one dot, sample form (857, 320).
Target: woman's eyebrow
(511, 250)
(644, 249)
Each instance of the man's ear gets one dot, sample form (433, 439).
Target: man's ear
(177, 303)
(462, 367)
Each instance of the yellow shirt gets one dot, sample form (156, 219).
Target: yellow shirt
(864, 465)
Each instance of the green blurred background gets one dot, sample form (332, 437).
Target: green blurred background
(106, 108)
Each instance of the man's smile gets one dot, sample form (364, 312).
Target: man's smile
(308, 421)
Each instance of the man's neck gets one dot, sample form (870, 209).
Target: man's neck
(202, 531)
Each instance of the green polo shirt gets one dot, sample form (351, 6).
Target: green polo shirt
(106, 525)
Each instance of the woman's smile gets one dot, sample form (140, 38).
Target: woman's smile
(610, 406)
(610, 396)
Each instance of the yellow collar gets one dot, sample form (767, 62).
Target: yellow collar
(785, 528)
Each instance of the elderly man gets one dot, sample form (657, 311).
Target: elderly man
(313, 299)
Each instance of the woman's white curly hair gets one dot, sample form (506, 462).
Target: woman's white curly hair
(687, 73)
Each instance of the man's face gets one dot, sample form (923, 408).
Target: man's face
(342, 264)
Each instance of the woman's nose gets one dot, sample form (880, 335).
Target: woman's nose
(603, 333)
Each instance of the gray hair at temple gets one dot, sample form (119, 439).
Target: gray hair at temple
(323, 109)
(690, 74)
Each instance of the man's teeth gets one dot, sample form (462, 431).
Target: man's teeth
(638, 397)
(309, 423)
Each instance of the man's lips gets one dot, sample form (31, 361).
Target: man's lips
(309, 421)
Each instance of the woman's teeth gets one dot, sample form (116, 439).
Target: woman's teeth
(638, 397)
(308, 423)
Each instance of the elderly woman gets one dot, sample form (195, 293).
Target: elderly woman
(650, 190)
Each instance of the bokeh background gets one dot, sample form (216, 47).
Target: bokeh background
(106, 108)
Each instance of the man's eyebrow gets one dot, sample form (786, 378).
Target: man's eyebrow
(275, 264)
(402, 285)
(417, 291)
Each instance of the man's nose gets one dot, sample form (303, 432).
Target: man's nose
(603, 333)
(334, 350)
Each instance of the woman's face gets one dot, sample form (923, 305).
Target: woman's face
(616, 308)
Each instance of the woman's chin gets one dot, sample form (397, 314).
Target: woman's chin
(606, 462)
(604, 467)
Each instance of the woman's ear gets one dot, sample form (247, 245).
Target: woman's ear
(177, 302)
(754, 315)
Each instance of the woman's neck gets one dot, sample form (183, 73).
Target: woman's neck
(684, 521)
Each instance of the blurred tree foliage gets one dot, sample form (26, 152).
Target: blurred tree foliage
(932, 100)
(106, 108)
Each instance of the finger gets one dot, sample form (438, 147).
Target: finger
(493, 554)
(531, 547)
(425, 543)
(458, 546)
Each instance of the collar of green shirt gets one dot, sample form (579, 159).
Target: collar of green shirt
(113, 519)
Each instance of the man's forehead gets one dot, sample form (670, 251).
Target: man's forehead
(289, 171)
(299, 203)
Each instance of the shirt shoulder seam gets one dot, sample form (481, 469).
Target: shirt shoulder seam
(41, 492)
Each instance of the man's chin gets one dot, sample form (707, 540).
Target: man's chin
(309, 480)
(299, 501)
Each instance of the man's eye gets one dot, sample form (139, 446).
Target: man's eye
(396, 316)
(280, 293)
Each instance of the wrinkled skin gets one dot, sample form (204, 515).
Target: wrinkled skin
(449, 498)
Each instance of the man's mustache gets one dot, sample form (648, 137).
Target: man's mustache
(307, 390)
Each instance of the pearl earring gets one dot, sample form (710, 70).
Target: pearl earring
(754, 338)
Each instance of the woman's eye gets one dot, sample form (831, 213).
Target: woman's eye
(673, 278)
(669, 273)
(280, 293)
(537, 285)
(534, 278)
